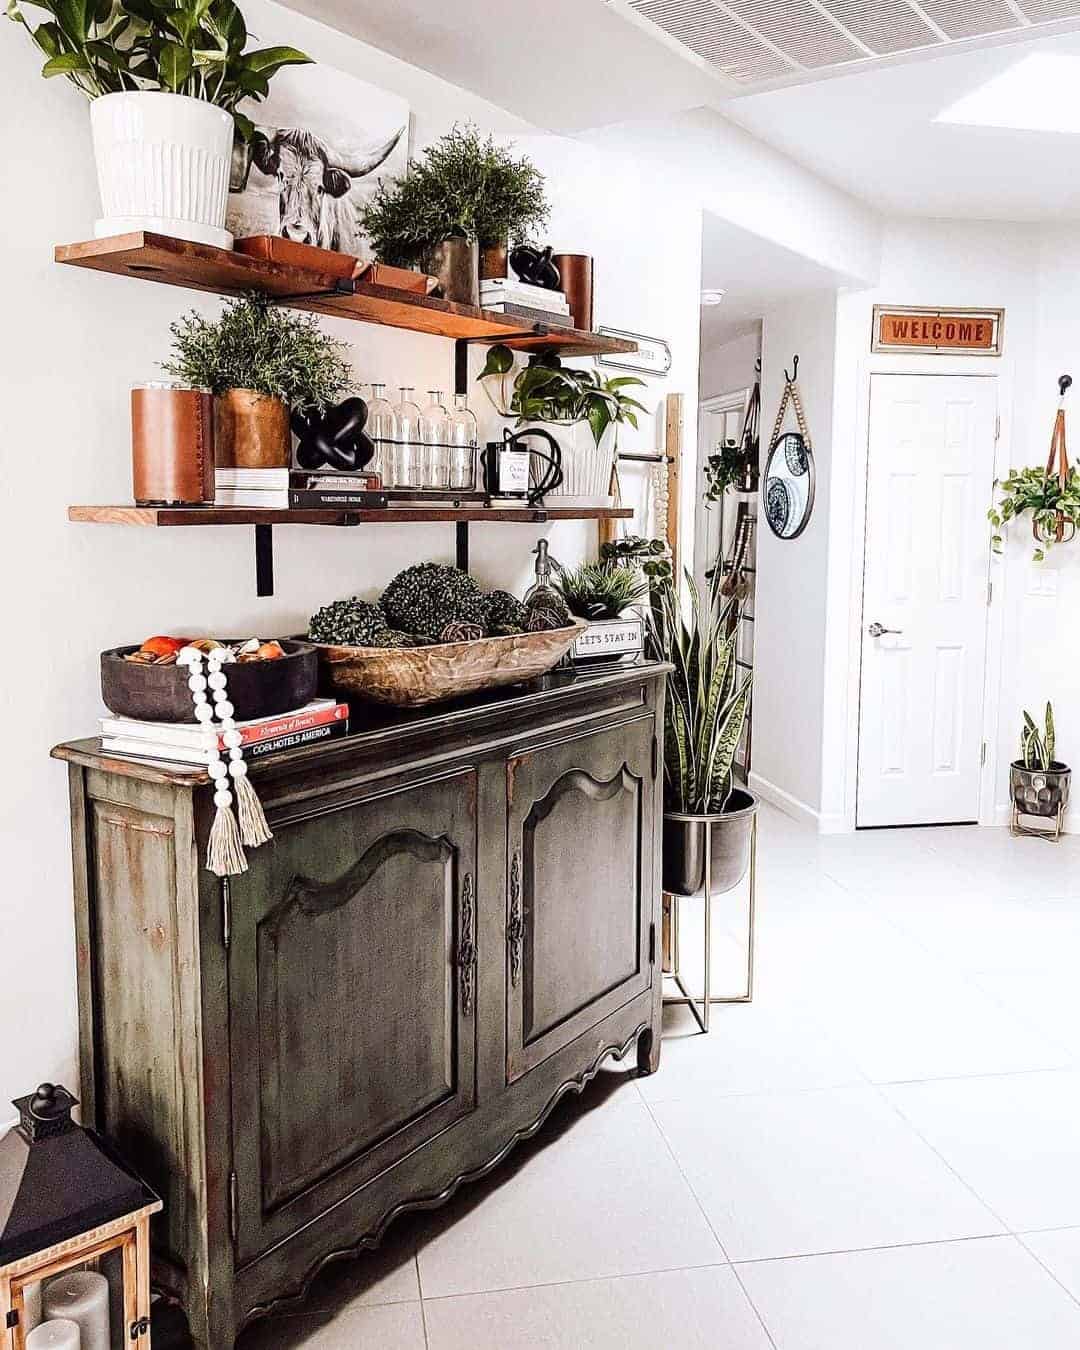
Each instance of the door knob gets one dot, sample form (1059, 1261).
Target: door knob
(877, 630)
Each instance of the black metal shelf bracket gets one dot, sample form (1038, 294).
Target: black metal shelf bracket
(264, 560)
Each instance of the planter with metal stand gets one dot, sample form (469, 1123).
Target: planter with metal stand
(711, 853)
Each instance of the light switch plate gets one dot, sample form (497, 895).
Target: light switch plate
(1043, 582)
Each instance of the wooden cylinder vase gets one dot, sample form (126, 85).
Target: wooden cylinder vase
(251, 430)
(576, 270)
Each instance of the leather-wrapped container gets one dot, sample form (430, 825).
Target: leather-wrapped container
(172, 444)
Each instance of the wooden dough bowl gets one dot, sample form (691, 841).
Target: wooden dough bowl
(410, 677)
(256, 688)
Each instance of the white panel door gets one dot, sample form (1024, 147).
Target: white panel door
(925, 598)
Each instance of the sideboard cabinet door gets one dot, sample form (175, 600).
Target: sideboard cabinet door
(352, 993)
(579, 886)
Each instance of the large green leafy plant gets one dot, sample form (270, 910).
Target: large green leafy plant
(256, 345)
(1034, 490)
(463, 184)
(192, 47)
(707, 700)
(547, 391)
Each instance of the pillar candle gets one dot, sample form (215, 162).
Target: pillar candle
(32, 1305)
(56, 1335)
(82, 1297)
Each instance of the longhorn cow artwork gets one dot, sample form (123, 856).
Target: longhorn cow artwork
(322, 143)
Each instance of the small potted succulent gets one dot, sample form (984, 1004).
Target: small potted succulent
(260, 361)
(601, 593)
(1040, 783)
(462, 195)
(706, 710)
(164, 82)
(579, 407)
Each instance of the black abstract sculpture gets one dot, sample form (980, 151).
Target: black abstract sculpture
(335, 438)
(535, 267)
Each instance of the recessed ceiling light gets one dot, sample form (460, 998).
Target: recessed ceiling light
(712, 296)
(1037, 93)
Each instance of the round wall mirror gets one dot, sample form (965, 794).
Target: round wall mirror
(788, 486)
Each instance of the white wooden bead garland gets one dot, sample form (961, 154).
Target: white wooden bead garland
(210, 697)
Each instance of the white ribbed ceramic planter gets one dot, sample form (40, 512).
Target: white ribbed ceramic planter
(586, 467)
(163, 164)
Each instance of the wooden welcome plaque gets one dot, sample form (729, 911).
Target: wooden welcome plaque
(938, 332)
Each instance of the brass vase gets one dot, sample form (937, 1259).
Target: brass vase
(493, 261)
(251, 431)
(455, 263)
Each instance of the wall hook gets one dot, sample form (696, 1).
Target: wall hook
(793, 379)
(1065, 384)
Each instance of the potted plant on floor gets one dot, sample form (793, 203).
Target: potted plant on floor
(1040, 783)
(707, 706)
(164, 82)
(261, 361)
(580, 408)
(461, 194)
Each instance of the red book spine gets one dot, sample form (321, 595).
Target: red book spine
(290, 725)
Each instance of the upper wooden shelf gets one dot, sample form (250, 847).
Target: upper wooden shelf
(172, 516)
(177, 262)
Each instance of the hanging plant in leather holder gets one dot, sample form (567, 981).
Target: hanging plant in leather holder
(788, 488)
(1051, 495)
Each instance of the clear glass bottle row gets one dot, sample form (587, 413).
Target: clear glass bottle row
(423, 449)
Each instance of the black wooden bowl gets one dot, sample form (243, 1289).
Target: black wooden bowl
(256, 688)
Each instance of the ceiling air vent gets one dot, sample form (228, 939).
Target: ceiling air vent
(760, 41)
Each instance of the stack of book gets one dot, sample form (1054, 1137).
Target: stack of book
(188, 742)
(280, 489)
(522, 300)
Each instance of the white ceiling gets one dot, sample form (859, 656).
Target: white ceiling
(874, 134)
(755, 274)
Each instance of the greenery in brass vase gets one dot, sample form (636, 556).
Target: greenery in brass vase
(462, 185)
(707, 700)
(1037, 746)
(547, 391)
(257, 345)
(1034, 490)
(600, 590)
(191, 47)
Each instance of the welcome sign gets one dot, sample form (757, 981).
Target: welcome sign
(938, 332)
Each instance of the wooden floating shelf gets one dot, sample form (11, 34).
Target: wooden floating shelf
(171, 517)
(201, 267)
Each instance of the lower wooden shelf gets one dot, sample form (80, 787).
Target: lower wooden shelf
(173, 516)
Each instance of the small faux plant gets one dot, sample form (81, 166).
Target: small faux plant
(260, 346)
(600, 590)
(1037, 747)
(192, 47)
(462, 185)
(1034, 490)
(547, 391)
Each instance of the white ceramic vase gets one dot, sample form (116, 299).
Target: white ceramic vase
(586, 466)
(163, 165)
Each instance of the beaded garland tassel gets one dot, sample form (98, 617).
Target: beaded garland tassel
(210, 696)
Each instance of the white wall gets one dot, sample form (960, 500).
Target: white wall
(73, 343)
(729, 366)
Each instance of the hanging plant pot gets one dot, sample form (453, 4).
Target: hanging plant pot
(455, 264)
(251, 431)
(1040, 792)
(684, 847)
(163, 163)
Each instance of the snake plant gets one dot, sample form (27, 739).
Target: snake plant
(1038, 747)
(707, 701)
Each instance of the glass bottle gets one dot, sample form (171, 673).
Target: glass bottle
(409, 445)
(464, 441)
(435, 431)
(380, 427)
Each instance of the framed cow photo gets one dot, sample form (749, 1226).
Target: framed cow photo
(323, 141)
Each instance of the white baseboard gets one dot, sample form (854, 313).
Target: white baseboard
(798, 810)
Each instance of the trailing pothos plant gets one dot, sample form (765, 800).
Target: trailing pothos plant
(1049, 502)
(547, 391)
(707, 701)
(192, 47)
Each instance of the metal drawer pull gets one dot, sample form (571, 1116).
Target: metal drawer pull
(466, 957)
(515, 929)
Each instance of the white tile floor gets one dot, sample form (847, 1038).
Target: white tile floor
(882, 1152)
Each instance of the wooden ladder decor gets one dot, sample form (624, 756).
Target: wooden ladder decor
(1058, 463)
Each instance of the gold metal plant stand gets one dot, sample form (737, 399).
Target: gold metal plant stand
(707, 998)
(1052, 835)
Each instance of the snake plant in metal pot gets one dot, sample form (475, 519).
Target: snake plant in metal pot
(706, 815)
(1040, 782)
